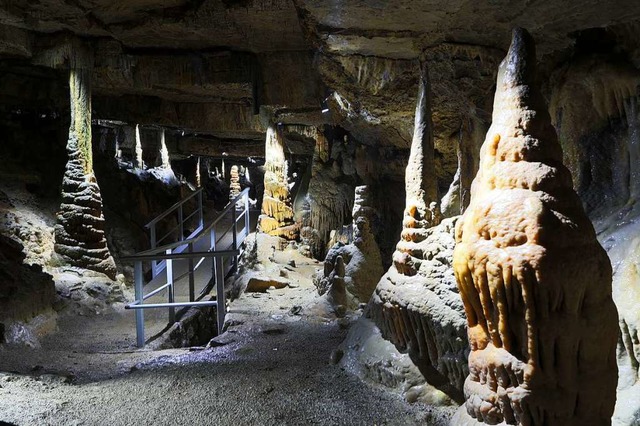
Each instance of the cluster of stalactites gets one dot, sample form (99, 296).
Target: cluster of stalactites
(277, 210)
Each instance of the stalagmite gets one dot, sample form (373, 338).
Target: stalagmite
(416, 304)
(277, 212)
(420, 184)
(234, 186)
(79, 232)
(139, 162)
(198, 177)
(164, 152)
(535, 283)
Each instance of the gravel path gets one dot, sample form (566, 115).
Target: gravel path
(271, 367)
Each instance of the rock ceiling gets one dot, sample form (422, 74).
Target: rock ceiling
(211, 66)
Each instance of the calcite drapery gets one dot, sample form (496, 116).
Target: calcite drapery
(535, 283)
(277, 211)
(79, 232)
(416, 304)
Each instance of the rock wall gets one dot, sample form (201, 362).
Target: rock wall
(535, 283)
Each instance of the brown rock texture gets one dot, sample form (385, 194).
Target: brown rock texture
(277, 211)
(79, 233)
(535, 283)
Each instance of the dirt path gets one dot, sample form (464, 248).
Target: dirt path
(272, 367)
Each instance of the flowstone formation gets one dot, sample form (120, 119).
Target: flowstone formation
(416, 304)
(277, 211)
(356, 267)
(79, 232)
(535, 283)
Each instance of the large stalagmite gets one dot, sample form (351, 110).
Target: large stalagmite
(277, 211)
(535, 283)
(416, 304)
(79, 233)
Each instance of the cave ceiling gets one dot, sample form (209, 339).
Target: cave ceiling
(225, 68)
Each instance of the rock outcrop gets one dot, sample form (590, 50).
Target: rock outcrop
(79, 233)
(416, 304)
(535, 283)
(356, 267)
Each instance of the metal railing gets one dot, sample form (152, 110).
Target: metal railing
(183, 222)
(221, 246)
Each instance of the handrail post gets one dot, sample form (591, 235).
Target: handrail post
(234, 234)
(247, 223)
(172, 311)
(180, 220)
(221, 306)
(138, 278)
(192, 291)
(154, 264)
(214, 261)
(200, 208)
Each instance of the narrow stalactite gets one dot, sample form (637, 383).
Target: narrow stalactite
(79, 232)
(277, 211)
(421, 209)
(139, 163)
(535, 283)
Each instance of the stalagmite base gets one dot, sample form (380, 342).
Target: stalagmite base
(535, 283)
(79, 233)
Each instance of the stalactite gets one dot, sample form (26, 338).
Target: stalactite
(277, 211)
(164, 152)
(79, 232)
(535, 283)
(139, 163)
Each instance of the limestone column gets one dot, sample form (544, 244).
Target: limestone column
(421, 210)
(535, 283)
(234, 186)
(277, 209)
(79, 232)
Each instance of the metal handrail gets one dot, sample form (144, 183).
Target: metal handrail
(169, 253)
(172, 208)
(203, 232)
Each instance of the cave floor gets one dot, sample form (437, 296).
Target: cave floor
(271, 367)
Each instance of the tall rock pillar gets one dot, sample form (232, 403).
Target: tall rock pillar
(277, 210)
(535, 283)
(416, 304)
(79, 232)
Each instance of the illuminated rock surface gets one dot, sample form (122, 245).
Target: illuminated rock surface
(79, 234)
(416, 303)
(535, 282)
(277, 211)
